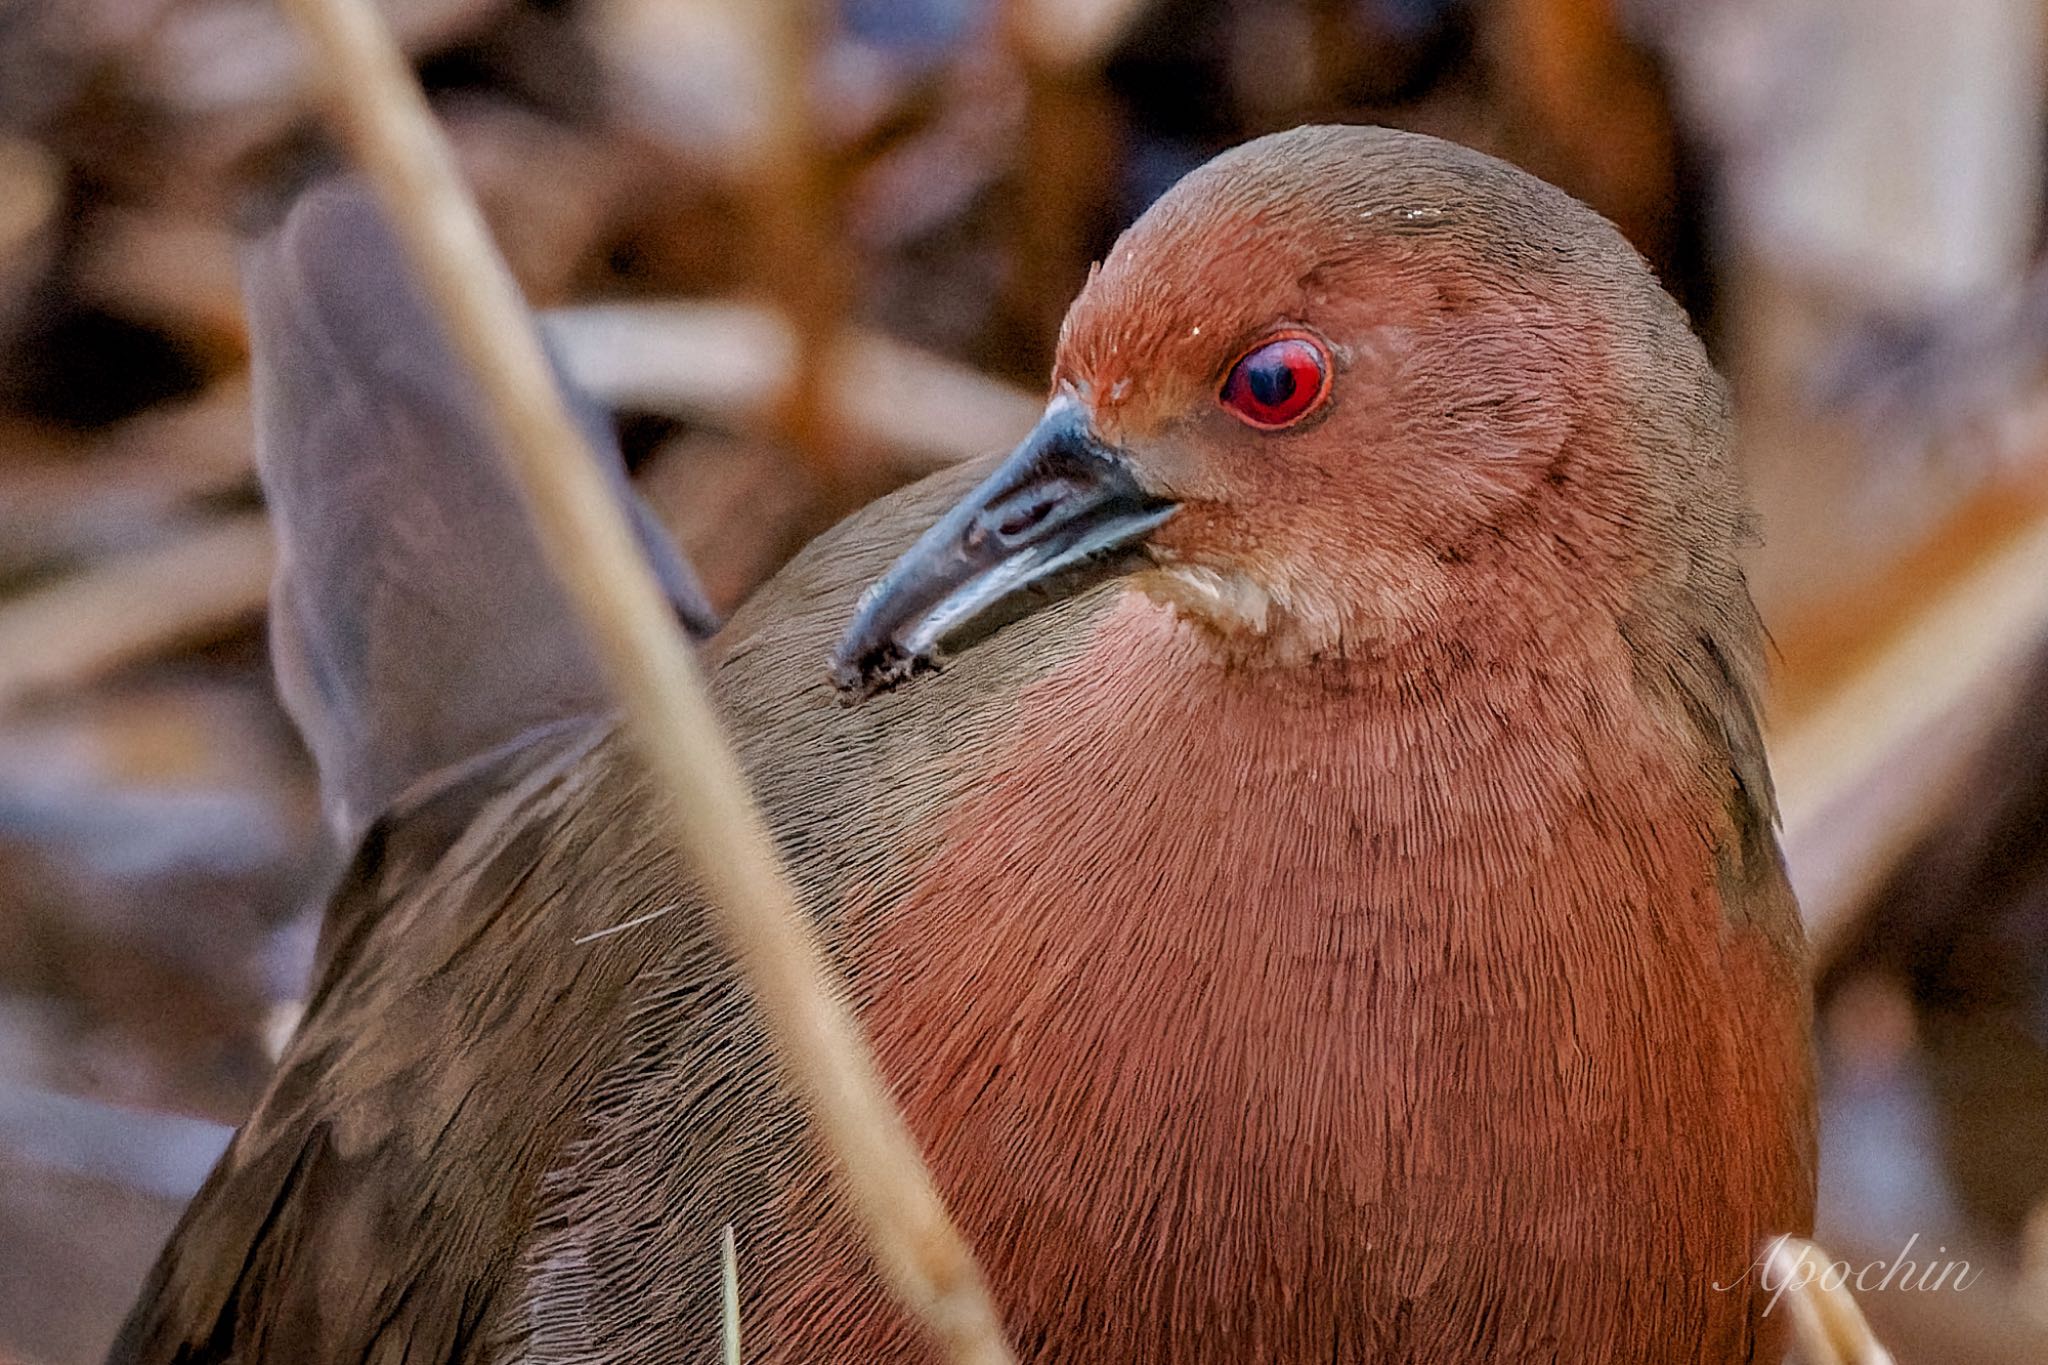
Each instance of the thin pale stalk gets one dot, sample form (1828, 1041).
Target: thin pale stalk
(720, 831)
(1827, 1326)
(729, 1293)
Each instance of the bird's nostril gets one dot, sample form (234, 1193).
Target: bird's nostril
(1018, 516)
(1018, 520)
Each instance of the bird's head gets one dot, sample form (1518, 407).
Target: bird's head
(1340, 388)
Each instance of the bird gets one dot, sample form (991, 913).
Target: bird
(1295, 831)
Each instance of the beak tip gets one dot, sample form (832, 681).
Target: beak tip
(862, 669)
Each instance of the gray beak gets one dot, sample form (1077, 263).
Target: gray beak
(1062, 512)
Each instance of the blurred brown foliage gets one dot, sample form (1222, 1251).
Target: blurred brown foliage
(807, 252)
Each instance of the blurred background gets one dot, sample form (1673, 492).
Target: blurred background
(810, 250)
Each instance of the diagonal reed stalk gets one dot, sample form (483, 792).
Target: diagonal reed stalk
(729, 1295)
(1826, 1323)
(385, 118)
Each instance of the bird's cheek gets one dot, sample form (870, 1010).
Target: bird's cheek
(1213, 532)
(1240, 495)
(1187, 464)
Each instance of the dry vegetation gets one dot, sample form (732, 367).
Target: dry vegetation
(808, 252)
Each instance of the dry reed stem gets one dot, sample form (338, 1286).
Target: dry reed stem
(729, 1294)
(385, 117)
(737, 362)
(1854, 741)
(789, 199)
(1068, 149)
(1826, 1323)
(1073, 35)
(31, 195)
(134, 606)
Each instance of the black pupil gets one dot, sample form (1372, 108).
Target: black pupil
(1271, 380)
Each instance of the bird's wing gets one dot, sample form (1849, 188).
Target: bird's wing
(1698, 646)
(1755, 891)
(1716, 673)
(518, 989)
(1756, 896)
(529, 1090)
(370, 1208)
(413, 622)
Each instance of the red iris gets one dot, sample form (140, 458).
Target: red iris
(1278, 382)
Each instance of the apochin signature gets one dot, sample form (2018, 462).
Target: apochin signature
(1776, 1274)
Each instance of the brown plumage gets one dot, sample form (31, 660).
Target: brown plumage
(1324, 906)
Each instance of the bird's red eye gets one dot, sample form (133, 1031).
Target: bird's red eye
(1278, 382)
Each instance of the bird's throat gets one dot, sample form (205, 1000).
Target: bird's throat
(1229, 603)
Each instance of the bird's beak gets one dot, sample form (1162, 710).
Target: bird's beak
(1062, 512)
